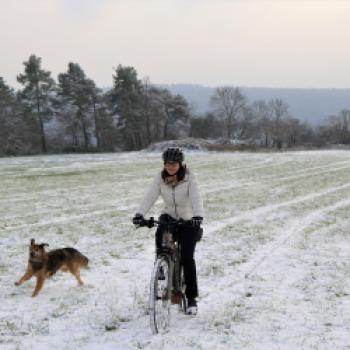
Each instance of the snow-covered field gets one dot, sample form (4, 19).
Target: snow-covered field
(273, 267)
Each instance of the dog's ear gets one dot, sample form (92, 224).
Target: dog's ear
(32, 241)
(43, 245)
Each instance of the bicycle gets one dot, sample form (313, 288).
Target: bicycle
(167, 285)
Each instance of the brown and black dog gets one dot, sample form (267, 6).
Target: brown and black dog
(42, 264)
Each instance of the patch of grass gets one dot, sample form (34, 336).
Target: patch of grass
(3, 269)
(216, 270)
(115, 255)
(139, 245)
(237, 262)
(106, 262)
(111, 327)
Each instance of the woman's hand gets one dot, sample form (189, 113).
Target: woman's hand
(197, 221)
(138, 220)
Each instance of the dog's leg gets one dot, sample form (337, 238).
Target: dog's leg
(39, 284)
(76, 272)
(27, 276)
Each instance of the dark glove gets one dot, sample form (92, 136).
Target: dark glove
(197, 221)
(138, 220)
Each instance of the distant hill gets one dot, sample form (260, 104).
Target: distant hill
(312, 105)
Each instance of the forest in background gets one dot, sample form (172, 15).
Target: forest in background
(72, 114)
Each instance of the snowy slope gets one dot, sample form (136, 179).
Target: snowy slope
(273, 267)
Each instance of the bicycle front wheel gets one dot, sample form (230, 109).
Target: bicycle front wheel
(184, 302)
(160, 295)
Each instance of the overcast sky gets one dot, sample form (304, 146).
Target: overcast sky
(272, 43)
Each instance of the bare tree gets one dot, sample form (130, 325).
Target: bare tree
(262, 113)
(279, 111)
(338, 128)
(228, 103)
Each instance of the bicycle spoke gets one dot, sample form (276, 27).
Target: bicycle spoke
(159, 297)
(183, 290)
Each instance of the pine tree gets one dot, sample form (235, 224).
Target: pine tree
(37, 94)
(78, 97)
(126, 102)
(18, 129)
(7, 118)
(177, 111)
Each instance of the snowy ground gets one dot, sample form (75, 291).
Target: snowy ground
(273, 267)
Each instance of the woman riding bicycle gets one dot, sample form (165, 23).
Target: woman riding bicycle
(178, 188)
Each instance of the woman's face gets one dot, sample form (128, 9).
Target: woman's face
(172, 168)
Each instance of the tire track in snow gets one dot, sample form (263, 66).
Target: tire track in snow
(231, 291)
(277, 273)
(220, 186)
(294, 227)
(219, 225)
(214, 226)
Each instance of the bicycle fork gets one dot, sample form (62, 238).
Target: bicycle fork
(176, 296)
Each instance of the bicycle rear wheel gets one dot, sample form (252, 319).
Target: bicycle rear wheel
(160, 295)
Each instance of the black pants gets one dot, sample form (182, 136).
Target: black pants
(188, 240)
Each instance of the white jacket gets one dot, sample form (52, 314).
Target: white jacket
(182, 201)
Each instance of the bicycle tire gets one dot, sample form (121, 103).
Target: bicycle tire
(160, 295)
(184, 301)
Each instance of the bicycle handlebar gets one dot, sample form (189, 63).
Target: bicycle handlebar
(151, 222)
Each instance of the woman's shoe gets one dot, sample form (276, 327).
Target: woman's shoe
(192, 308)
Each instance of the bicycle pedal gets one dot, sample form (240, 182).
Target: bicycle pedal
(176, 298)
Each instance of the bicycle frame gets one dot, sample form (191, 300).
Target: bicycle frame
(172, 249)
(170, 259)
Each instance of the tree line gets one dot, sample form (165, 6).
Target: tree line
(72, 114)
(267, 124)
